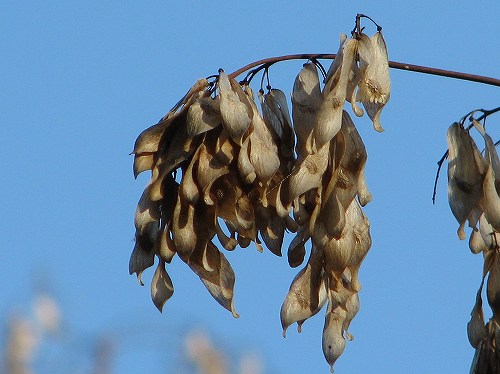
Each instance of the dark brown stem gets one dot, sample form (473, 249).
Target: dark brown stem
(393, 64)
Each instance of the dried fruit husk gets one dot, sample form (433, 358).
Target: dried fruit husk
(306, 101)
(465, 175)
(307, 293)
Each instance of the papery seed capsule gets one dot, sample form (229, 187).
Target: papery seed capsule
(333, 339)
(476, 328)
(374, 86)
(465, 174)
(306, 101)
(235, 109)
(162, 288)
(307, 293)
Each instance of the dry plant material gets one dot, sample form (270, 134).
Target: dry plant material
(225, 173)
(473, 194)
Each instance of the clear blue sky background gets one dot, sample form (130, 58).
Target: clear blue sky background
(80, 80)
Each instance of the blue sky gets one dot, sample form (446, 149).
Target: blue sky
(80, 81)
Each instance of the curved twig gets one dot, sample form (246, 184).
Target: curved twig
(261, 64)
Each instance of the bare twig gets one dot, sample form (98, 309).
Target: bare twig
(264, 63)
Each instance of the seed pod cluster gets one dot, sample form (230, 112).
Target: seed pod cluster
(473, 194)
(226, 173)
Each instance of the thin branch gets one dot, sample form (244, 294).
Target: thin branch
(393, 64)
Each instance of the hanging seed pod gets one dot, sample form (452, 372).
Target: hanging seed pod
(297, 249)
(374, 86)
(362, 242)
(333, 74)
(216, 274)
(490, 237)
(476, 328)
(263, 152)
(162, 288)
(159, 135)
(306, 101)
(490, 201)
(476, 242)
(307, 174)
(203, 114)
(235, 109)
(147, 212)
(352, 308)
(166, 248)
(275, 113)
(307, 293)
(493, 286)
(329, 118)
(465, 175)
(189, 189)
(364, 195)
(186, 227)
(333, 339)
(143, 255)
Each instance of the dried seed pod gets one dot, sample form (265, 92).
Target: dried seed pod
(306, 101)
(333, 339)
(271, 228)
(186, 227)
(374, 86)
(178, 155)
(147, 211)
(209, 169)
(465, 175)
(476, 328)
(333, 74)
(364, 195)
(275, 113)
(245, 167)
(346, 179)
(162, 288)
(263, 152)
(329, 117)
(159, 137)
(297, 249)
(493, 286)
(476, 242)
(307, 293)
(166, 247)
(189, 188)
(490, 237)
(337, 254)
(490, 201)
(235, 109)
(362, 242)
(203, 114)
(352, 308)
(307, 174)
(143, 255)
(215, 272)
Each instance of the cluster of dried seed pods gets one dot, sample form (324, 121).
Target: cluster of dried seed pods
(473, 193)
(223, 169)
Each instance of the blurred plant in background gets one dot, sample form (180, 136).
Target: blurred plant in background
(38, 341)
